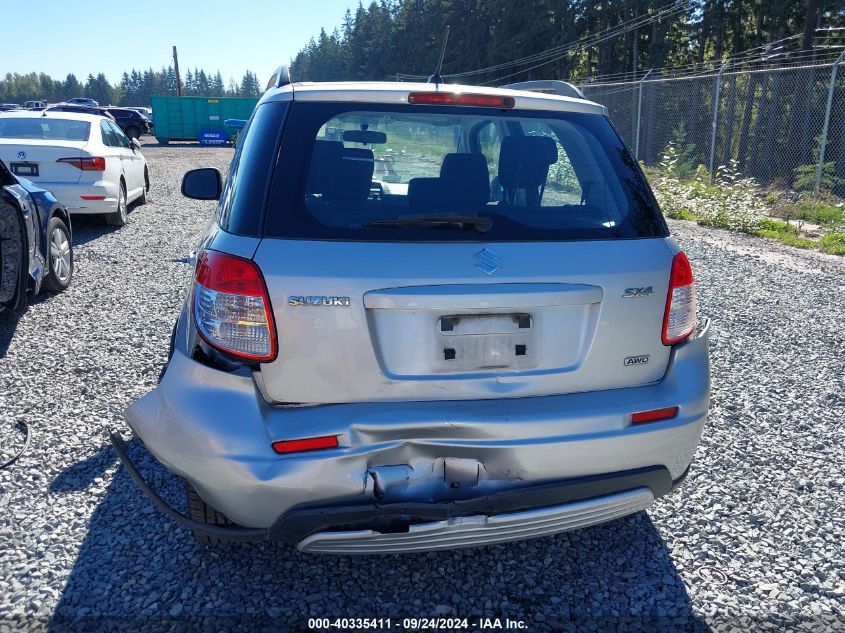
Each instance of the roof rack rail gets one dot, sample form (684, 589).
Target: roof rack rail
(548, 86)
(279, 78)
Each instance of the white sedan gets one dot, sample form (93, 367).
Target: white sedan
(86, 161)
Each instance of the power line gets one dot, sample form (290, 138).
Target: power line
(575, 46)
(770, 55)
(557, 52)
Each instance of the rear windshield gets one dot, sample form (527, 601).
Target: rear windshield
(423, 173)
(44, 128)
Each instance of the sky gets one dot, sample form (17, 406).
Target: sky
(114, 37)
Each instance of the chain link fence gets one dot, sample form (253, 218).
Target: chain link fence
(785, 127)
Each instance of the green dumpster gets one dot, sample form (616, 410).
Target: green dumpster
(183, 118)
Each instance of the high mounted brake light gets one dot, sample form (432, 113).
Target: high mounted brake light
(457, 98)
(85, 163)
(679, 315)
(231, 307)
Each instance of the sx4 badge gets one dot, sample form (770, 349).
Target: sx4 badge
(636, 360)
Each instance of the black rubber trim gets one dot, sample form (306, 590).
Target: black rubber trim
(303, 521)
(680, 480)
(227, 533)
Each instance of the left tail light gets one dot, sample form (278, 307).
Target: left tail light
(232, 308)
(85, 163)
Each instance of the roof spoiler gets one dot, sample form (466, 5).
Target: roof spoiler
(548, 86)
(279, 78)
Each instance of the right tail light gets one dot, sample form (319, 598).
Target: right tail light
(679, 316)
(85, 163)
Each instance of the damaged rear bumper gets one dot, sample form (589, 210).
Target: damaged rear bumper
(519, 513)
(404, 463)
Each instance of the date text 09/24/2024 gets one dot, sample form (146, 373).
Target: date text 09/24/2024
(414, 624)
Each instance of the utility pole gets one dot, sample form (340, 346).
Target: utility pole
(716, 115)
(640, 114)
(823, 144)
(176, 69)
(635, 55)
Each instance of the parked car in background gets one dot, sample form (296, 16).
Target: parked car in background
(84, 101)
(81, 109)
(85, 160)
(147, 112)
(36, 249)
(9, 106)
(35, 105)
(132, 122)
(489, 336)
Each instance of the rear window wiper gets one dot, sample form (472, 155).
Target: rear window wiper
(482, 224)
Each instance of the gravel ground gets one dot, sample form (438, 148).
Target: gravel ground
(753, 541)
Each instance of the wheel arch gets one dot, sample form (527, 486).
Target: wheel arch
(62, 213)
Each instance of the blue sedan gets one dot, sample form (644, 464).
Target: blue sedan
(35, 241)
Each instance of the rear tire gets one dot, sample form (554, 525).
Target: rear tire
(142, 199)
(59, 256)
(199, 510)
(121, 216)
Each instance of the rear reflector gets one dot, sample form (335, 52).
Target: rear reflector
(86, 163)
(232, 308)
(307, 444)
(93, 197)
(456, 98)
(654, 415)
(679, 315)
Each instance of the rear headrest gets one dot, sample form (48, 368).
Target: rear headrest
(464, 182)
(424, 192)
(340, 174)
(467, 176)
(524, 161)
(354, 177)
(325, 161)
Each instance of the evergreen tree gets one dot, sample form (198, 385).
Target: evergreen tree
(250, 86)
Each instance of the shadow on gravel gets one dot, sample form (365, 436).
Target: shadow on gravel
(89, 228)
(136, 569)
(81, 475)
(8, 325)
(10, 318)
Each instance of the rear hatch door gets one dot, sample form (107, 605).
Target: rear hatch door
(363, 321)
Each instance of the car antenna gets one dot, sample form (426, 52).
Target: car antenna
(436, 78)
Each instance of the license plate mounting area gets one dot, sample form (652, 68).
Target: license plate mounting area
(25, 170)
(485, 341)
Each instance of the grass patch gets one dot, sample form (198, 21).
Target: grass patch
(832, 243)
(783, 232)
(682, 214)
(790, 239)
(777, 226)
(734, 203)
(820, 212)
